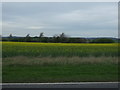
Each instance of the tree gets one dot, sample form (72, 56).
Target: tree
(10, 36)
(40, 37)
(63, 38)
(28, 35)
(0, 37)
(62, 35)
(103, 40)
(28, 38)
(56, 38)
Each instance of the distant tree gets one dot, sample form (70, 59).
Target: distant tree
(36, 37)
(28, 38)
(45, 39)
(77, 40)
(10, 36)
(40, 36)
(56, 38)
(0, 37)
(103, 40)
(118, 40)
(63, 37)
(83, 40)
(28, 35)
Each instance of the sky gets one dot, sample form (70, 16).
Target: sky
(75, 19)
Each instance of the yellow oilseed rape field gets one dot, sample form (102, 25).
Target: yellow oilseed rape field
(10, 49)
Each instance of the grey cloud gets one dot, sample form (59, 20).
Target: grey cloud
(75, 19)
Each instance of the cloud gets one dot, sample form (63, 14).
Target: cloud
(75, 19)
(94, 15)
(35, 27)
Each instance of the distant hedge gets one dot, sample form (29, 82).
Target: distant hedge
(103, 40)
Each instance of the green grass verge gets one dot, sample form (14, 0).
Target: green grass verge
(60, 69)
(60, 73)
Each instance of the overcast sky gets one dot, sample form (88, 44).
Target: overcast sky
(77, 19)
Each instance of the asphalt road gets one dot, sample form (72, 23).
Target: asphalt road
(62, 85)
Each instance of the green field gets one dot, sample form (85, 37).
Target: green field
(59, 62)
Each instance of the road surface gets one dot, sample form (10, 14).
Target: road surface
(62, 85)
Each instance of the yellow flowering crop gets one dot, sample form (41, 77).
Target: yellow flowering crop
(58, 49)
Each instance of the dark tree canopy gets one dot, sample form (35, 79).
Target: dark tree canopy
(103, 40)
(57, 38)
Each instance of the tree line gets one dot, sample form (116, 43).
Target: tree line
(61, 38)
